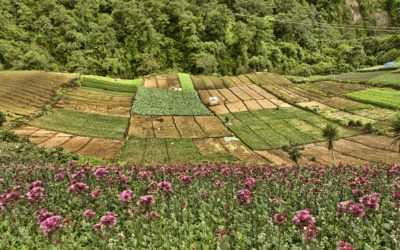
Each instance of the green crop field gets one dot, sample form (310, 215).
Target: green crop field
(84, 124)
(271, 128)
(186, 82)
(384, 97)
(110, 84)
(391, 80)
(155, 151)
(167, 102)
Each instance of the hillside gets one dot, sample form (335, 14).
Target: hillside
(132, 38)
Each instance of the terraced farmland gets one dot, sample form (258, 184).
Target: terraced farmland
(267, 129)
(384, 97)
(169, 81)
(22, 93)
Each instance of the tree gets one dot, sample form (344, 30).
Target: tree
(396, 129)
(2, 118)
(331, 133)
(294, 151)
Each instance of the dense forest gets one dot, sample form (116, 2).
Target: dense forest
(128, 38)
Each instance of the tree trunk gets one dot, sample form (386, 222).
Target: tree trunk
(334, 158)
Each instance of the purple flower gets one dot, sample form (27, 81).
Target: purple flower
(303, 219)
(59, 177)
(88, 214)
(100, 173)
(50, 224)
(244, 196)
(43, 215)
(110, 219)
(96, 193)
(36, 193)
(126, 196)
(342, 245)
(78, 187)
(357, 210)
(371, 201)
(165, 186)
(280, 218)
(249, 183)
(146, 201)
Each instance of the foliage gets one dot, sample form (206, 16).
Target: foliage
(168, 102)
(391, 80)
(84, 124)
(196, 206)
(384, 97)
(331, 133)
(121, 38)
(294, 151)
(186, 82)
(395, 128)
(2, 118)
(7, 135)
(110, 84)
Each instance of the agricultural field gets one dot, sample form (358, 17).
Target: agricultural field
(83, 124)
(391, 80)
(177, 127)
(91, 101)
(358, 150)
(102, 148)
(182, 150)
(23, 93)
(273, 128)
(168, 81)
(383, 97)
(152, 101)
(110, 84)
(214, 82)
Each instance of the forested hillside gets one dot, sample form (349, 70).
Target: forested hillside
(127, 38)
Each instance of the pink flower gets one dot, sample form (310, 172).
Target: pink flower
(100, 173)
(280, 218)
(165, 186)
(185, 179)
(249, 183)
(96, 193)
(78, 175)
(110, 219)
(123, 179)
(1, 181)
(357, 192)
(88, 214)
(35, 184)
(36, 193)
(342, 245)
(97, 227)
(126, 196)
(221, 231)
(146, 201)
(78, 187)
(311, 231)
(50, 224)
(396, 195)
(219, 184)
(153, 215)
(357, 210)
(344, 207)
(145, 174)
(303, 219)
(59, 177)
(244, 196)
(371, 201)
(43, 215)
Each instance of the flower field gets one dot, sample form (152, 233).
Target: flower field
(203, 206)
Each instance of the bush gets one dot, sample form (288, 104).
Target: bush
(7, 135)
(2, 118)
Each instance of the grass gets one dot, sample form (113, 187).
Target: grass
(156, 151)
(271, 128)
(383, 97)
(391, 80)
(110, 84)
(167, 102)
(83, 124)
(186, 82)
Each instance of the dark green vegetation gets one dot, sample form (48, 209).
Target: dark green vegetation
(396, 130)
(384, 97)
(153, 151)
(127, 38)
(84, 124)
(109, 84)
(168, 102)
(273, 128)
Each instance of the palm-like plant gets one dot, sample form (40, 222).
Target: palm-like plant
(331, 133)
(396, 129)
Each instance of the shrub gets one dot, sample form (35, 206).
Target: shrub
(2, 118)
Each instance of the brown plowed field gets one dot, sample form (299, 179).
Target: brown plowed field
(102, 148)
(177, 127)
(240, 98)
(22, 93)
(92, 102)
(168, 81)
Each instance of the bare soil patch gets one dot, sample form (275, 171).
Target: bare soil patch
(236, 107)
(188, 127)
(102, 148)
(219, 109)
(252, 105)
(212, 126)
(141, 126)
(76, 143)
(240, 151)
(164, 127)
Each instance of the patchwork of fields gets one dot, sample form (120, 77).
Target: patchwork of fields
(169, 118)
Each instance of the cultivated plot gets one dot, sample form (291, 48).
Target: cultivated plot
(23, 93)
(214, 82)
(83, 124)
(383, 97)
(168, 81)
(177, 127)
(102, 148)
(91, 101)
(267, 129)
(110, 84)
